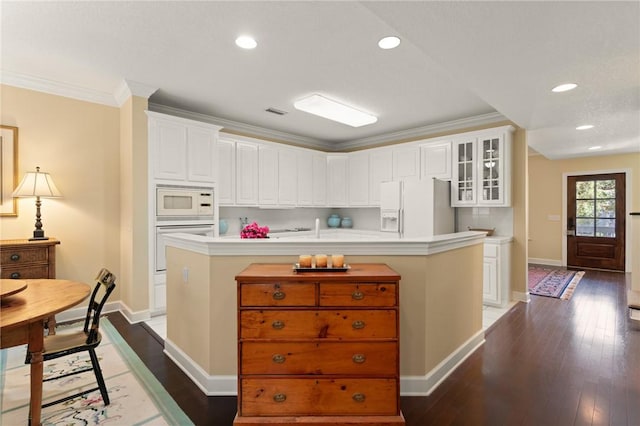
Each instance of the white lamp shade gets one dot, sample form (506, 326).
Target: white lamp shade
(37, 184)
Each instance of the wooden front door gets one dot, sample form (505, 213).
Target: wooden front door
(596, 221)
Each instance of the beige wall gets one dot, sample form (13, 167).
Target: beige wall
(78, 143)
(440, 305)
(134, 220)
(546, 198)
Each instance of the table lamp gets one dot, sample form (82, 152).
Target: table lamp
(37, 184)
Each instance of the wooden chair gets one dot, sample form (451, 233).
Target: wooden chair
(87, 339)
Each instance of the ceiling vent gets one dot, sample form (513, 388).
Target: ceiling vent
(275, 111)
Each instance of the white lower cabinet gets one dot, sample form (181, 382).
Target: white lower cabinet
(496, 271)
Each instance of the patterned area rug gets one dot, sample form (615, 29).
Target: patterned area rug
(552, 281)
(137, 398)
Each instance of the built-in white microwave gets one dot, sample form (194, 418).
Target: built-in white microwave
(184, 201)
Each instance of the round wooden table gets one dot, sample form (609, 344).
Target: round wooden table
(22, 321)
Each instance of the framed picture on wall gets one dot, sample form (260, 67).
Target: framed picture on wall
(8, 170)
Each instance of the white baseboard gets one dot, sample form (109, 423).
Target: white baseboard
(519, 296)
(550, 262)
(134, 317)
(208, 384)
(409, 385)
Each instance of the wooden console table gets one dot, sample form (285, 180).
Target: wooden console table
(318, 348)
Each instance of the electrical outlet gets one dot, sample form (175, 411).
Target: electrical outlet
(185, 275)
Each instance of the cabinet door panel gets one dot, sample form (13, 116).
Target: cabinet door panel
(287, 177)
(201, 155)
(320, 180)
(358, 179)
(226, 172)
(337, 176)
(246, 173)
(406, 163)
(435, 159)
(268, 175)
(380, 170)
(170, 151)
(305, 178)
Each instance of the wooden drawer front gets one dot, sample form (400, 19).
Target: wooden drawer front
(275, 294)
(352, 294)
(319, 324)
(379, 359)
(21, 256)
(25, 272)
(289, 397)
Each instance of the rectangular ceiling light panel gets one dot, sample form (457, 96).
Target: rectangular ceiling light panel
(332, 110)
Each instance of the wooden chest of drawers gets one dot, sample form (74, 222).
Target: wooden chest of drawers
(24, 259)
(319, 348)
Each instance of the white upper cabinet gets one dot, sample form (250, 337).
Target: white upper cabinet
(358, 181)
(182, 151)
(304, 163)
(380, 170)
(246, 173)
(287, 177)
(226, 172)
(482, 169)
(406, 162)
(319, 179)
(311, 178)
(337, 175)
(435, 160)
(267, 175)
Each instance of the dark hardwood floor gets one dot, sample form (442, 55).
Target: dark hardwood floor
(549, 362)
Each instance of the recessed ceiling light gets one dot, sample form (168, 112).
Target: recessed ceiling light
(332, 110)
(593, 148)
(246, 42)
(564, 87)
(585, 127)
(390, 42)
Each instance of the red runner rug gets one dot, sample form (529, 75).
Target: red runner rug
(552, 281)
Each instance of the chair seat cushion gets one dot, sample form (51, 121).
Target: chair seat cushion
(66, 343)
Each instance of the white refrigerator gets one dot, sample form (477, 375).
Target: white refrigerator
(416, 208)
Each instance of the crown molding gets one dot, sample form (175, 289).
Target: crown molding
(128, 88)
(30, 82)
(423, 131)
(242, 128)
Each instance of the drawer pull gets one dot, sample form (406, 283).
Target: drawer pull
(279, 295)
(15, 275)
(279, 397)
(278, 325)
(358, 324)
(357, 295)
(358, 397)
(15, 257)
(278, 358)
(359, 358)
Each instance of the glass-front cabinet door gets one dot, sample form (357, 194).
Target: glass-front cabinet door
(481, 167)
(491, 167)
(464, 191)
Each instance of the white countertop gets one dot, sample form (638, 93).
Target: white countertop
(348, 242)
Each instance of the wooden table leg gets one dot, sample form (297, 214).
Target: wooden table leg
(36, 344)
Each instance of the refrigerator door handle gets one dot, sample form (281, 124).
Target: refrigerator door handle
(401, 223)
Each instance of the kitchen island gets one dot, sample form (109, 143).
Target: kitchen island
(440, 301)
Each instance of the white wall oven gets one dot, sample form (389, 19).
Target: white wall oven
(205, 230)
